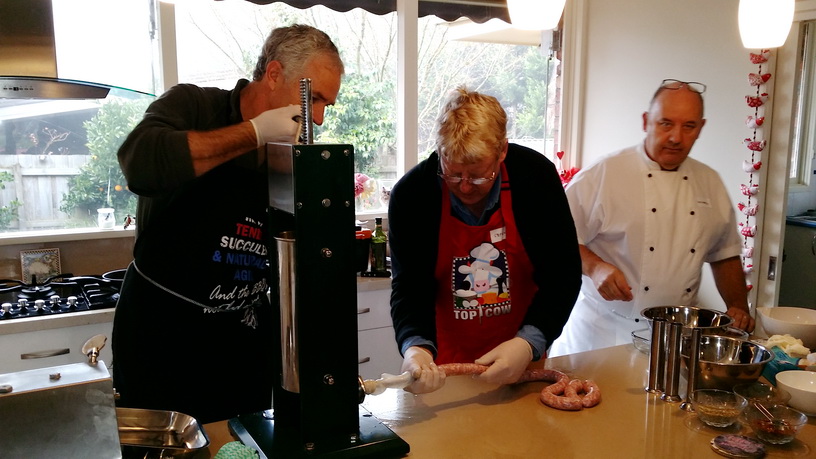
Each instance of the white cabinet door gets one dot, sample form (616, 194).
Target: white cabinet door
(373, 309)
(377, 353)
(46, 348)
(377, 349)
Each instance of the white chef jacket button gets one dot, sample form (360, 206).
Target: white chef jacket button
(688, 290)
(650, 175)
(651, 249)
(654, 210)
(691, 213)
(693, 250)
(685, 177)
(646, 288)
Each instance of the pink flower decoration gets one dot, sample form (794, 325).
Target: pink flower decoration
(567, 175)
(359, 180)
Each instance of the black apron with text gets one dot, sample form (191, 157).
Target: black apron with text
(192, 327)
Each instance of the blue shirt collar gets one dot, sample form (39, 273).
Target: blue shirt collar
(462, 213)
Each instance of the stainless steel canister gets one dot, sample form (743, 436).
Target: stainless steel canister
(290, 377)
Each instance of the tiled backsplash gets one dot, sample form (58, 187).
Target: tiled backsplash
(81, 257)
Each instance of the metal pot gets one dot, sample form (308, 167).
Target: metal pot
(709, 321)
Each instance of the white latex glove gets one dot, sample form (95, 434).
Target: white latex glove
(428, 377)
(277, 125)
(506, 362)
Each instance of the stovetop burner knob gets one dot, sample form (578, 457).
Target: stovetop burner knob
(71, 302)
(39, 305)
(23, 303)
(6, 308)
(55, 301)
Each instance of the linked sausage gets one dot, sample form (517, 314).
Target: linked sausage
(462, 369)
(562, 394)
(592, 393)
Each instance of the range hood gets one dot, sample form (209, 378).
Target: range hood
(28, 57)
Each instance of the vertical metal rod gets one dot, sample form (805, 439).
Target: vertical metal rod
(657, 357)
(693, 368)
(306, 126)
(674, 335)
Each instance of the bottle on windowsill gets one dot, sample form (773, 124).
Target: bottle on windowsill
(379, 243)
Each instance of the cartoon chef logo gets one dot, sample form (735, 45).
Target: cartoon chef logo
(481, 283)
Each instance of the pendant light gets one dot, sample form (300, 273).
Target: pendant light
(535, 14)
(764, 24)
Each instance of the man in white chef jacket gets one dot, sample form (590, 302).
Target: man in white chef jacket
(648, 217)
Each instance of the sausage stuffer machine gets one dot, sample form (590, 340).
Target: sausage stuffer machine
(316, 401)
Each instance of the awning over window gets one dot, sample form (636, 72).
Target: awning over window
(449, 10)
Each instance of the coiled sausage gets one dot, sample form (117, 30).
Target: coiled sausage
(562, 394)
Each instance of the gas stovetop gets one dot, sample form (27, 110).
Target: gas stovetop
(61, 294)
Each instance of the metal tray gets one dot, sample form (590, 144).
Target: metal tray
(159, 434)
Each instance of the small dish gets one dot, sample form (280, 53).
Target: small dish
(762, 393)
(718, 408)
(782, 429)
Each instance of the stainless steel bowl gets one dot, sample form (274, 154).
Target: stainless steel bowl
(709, 321)
(726, 362)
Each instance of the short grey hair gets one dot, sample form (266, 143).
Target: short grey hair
(471, 127)
(293, 46)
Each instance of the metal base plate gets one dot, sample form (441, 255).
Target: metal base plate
(376, 440)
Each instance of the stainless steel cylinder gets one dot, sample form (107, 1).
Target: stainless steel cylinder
(693, 367)
(290, 377)
(673, 337)
(657, 357)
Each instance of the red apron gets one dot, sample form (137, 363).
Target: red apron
(475, 310)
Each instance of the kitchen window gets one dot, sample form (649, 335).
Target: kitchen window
(58, 162)
(217, 42)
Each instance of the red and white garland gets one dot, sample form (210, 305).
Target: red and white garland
(755, 144)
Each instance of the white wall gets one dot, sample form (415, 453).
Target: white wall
(633, 45)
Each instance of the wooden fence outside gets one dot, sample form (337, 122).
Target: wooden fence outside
(40, 182)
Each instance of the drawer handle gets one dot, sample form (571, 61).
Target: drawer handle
(364, 360)
(44, 354)
(364, 311)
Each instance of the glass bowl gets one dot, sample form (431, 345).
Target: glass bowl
(762, 393)
(642, 339)
(718, 408)
(786, 423)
